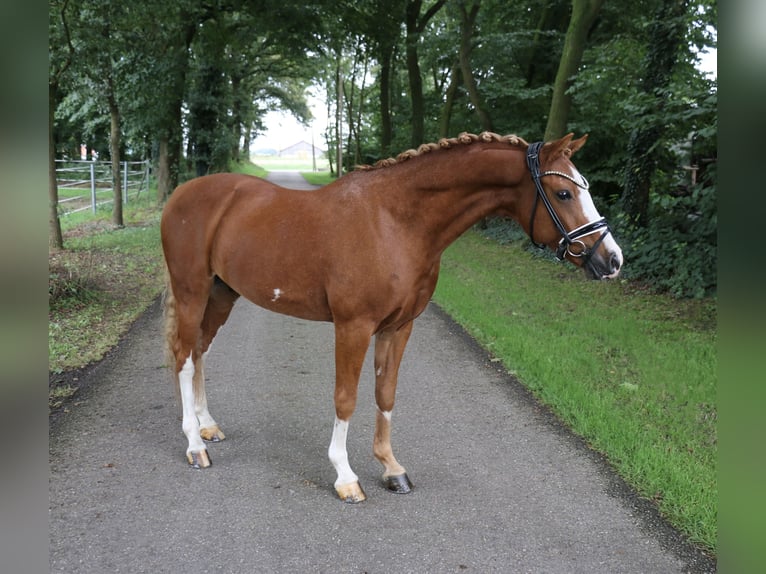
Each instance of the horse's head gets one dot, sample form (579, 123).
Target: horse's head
(569, 223)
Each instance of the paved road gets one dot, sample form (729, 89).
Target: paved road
(499, 485)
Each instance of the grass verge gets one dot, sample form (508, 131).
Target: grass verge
(100, 283)
(104, 279)
(633, 373)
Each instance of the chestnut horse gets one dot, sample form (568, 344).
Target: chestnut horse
(362, 252)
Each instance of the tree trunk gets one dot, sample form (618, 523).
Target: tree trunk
(236, 116)
(449, 101)
(665, 39)
(467, 23)
(417, 120)
(386, 127)
(415, 24)
(357, 120)
(114, 150)
(584, 13)
(55, 238)
(339, 118)
(163, 172)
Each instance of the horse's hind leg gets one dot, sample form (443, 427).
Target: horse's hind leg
(182, 323)
(191, 322)
(389, 348)
(219, 306)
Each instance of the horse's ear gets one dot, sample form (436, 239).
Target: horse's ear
(577, 144)
(557, 147)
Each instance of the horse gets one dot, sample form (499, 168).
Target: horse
(362, 252)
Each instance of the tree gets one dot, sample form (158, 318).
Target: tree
(161, 68)
(99, 56)
(383, 30)
(415, 24)
(60, 59)
(666, 38)
(468, 13)
(584, 13)
(99, 30)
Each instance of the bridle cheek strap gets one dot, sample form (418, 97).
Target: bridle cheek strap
(568, 239)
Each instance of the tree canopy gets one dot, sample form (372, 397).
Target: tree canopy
(187, 84)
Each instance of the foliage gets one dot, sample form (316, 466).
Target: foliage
(677, 251)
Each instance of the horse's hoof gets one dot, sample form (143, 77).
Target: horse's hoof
(399, 484)
(198, 460)
(212, 434)
(351, 493)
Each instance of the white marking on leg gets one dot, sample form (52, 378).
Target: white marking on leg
(190, 423)
(382, 445)
(277, 294)
(200, 407)
(338, 454)
(379, 372)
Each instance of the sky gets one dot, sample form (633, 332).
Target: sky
(283, 130)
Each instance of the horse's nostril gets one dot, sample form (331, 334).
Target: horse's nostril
(614, 263)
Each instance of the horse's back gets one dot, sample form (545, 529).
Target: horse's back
(203, 197)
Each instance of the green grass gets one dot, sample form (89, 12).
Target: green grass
(632, 373)
(67, 192)
(249, 168)
(103, 280)
(318, 177)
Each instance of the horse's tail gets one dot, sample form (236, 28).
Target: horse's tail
(170, 315)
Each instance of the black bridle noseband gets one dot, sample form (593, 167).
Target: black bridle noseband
(568, 239)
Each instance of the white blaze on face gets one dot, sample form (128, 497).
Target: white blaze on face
(591, 214)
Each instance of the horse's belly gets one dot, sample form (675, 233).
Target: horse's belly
(302, 303)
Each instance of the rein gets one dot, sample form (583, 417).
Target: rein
(568, 239)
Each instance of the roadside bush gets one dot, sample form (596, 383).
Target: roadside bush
(678, 251)
(69, 285)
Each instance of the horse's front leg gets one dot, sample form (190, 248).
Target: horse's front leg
(389, 348)
(351, 343)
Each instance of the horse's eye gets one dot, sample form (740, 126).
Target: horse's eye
(564, 195)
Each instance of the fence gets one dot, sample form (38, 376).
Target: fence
(88, 184)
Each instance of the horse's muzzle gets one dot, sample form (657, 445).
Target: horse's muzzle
(600, 267)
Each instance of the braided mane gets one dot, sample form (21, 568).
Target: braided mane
(445, 143)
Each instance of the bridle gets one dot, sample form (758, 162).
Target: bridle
(568, 239)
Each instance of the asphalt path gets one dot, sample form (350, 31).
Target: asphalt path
(500, 485)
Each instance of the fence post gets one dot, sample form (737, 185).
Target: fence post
(125, 182)
(93, 186)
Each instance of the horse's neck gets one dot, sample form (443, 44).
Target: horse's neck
(446, 196)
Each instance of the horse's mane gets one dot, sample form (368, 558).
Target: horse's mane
(445, 143)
